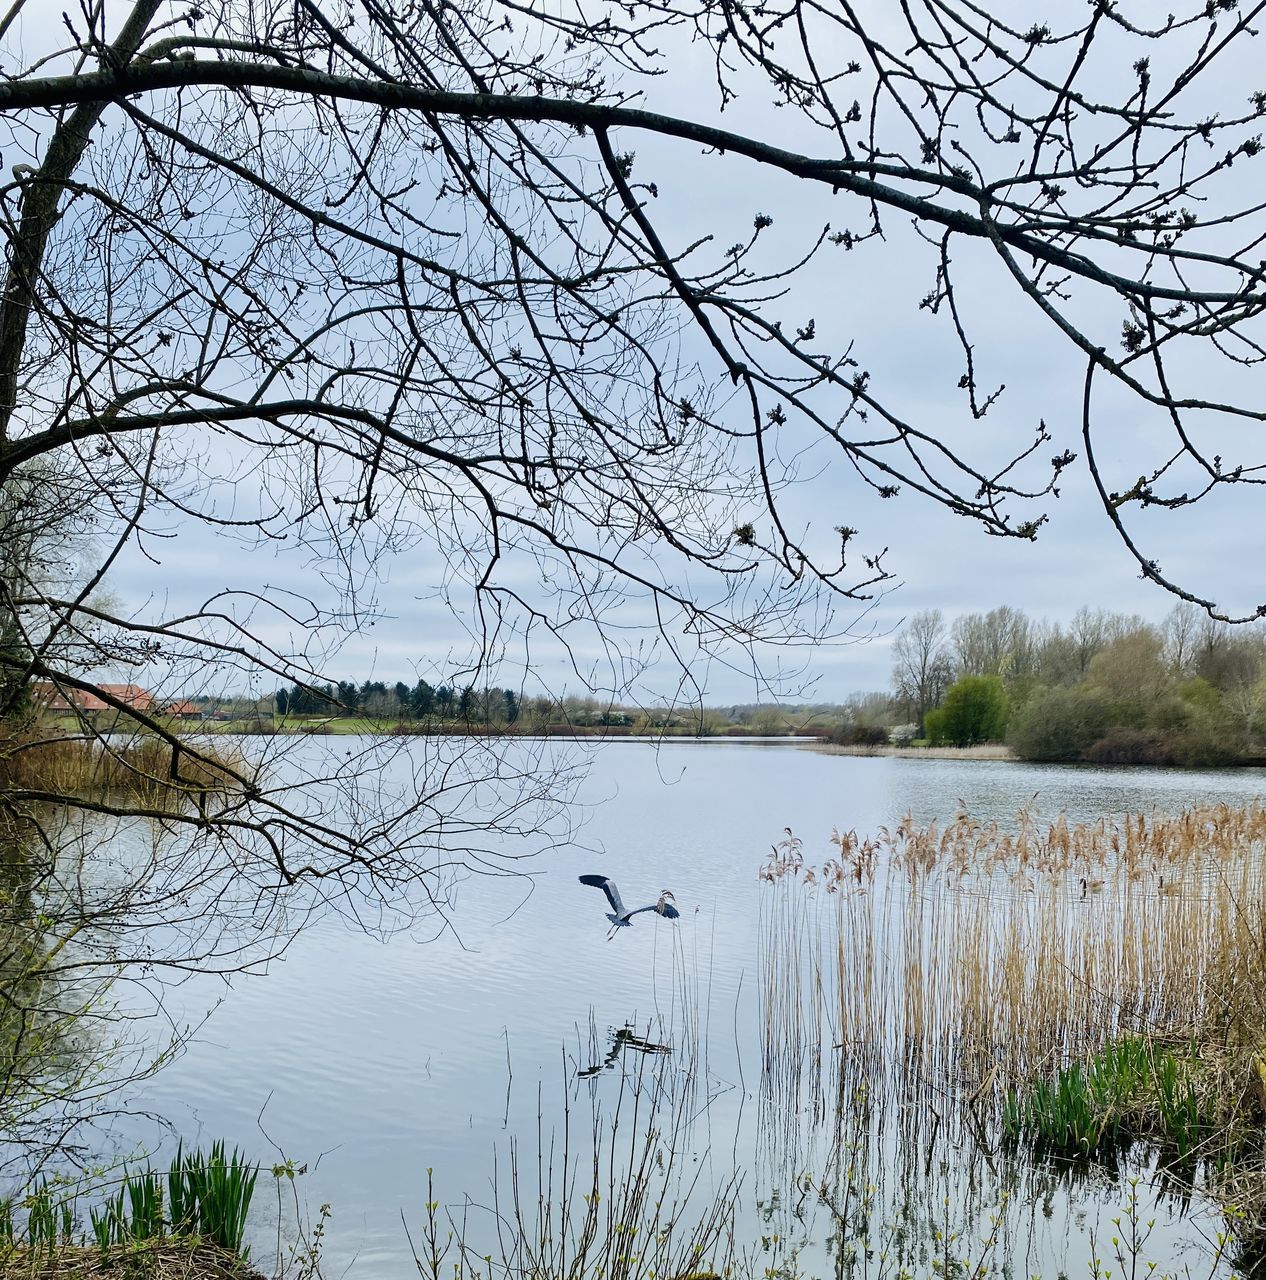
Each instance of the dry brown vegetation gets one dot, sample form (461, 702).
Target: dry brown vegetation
(973, 960)
(145, 1260)
(147, 769)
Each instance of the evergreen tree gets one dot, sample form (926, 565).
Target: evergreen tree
(422, 699)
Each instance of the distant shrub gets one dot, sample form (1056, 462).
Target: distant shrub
(1201, 695)
(252, 728)
(1171, 714)
(1202, 748)
(859, 735)
(934, 727)
(975, 710)
(1196, 748)
(1059, 724)
(1121, 745)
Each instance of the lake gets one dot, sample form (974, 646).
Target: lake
(371, 1061)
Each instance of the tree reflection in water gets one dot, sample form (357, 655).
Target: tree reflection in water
(81, 964)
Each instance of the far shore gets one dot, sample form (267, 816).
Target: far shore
(982, 751)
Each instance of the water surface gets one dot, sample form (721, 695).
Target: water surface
(373, 1061)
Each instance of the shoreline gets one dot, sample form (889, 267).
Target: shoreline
(984, 751)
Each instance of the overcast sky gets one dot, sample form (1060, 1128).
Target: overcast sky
(869, 297)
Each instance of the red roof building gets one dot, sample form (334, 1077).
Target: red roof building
(68, 700)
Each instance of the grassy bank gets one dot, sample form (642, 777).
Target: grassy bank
(982, 751)
(393, 727)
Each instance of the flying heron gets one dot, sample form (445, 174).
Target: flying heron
(619, 915)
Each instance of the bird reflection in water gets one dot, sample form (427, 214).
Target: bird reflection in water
(622, 1039)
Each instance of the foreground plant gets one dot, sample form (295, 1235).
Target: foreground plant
(198, 1232)
(1135, 1088)
(210, 1196)
(616, 1199)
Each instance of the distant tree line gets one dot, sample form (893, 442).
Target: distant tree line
(458, 702)
(1105, 687)
(401, 701)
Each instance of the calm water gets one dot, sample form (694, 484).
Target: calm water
(373, 1061)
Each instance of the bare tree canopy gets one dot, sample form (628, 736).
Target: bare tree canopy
(922, 667)
(395, 280)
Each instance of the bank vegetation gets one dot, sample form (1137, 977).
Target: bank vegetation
(1073, 990)
(1103, 688)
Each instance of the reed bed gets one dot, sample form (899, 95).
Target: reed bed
(146, 769)
(990, 956)
(1011, 971)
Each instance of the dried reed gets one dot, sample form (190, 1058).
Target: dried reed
(146, 769)
(151, 1259)
(993, 955)
(969, 963)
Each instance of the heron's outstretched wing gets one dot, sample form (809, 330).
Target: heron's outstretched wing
(668, 911)
(608, 887)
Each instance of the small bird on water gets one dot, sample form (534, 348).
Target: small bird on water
(619, 915)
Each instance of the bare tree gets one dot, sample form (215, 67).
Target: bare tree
(997, 643)
(922, 666)
(1091, 631)
(1180, 630)
(394, 280)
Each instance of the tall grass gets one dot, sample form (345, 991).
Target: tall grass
(1076, 984)
(50, 1218)
(146, 769)
(210, 1195)
(202, 1204)
(1134, 1088)
(620, 1197)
